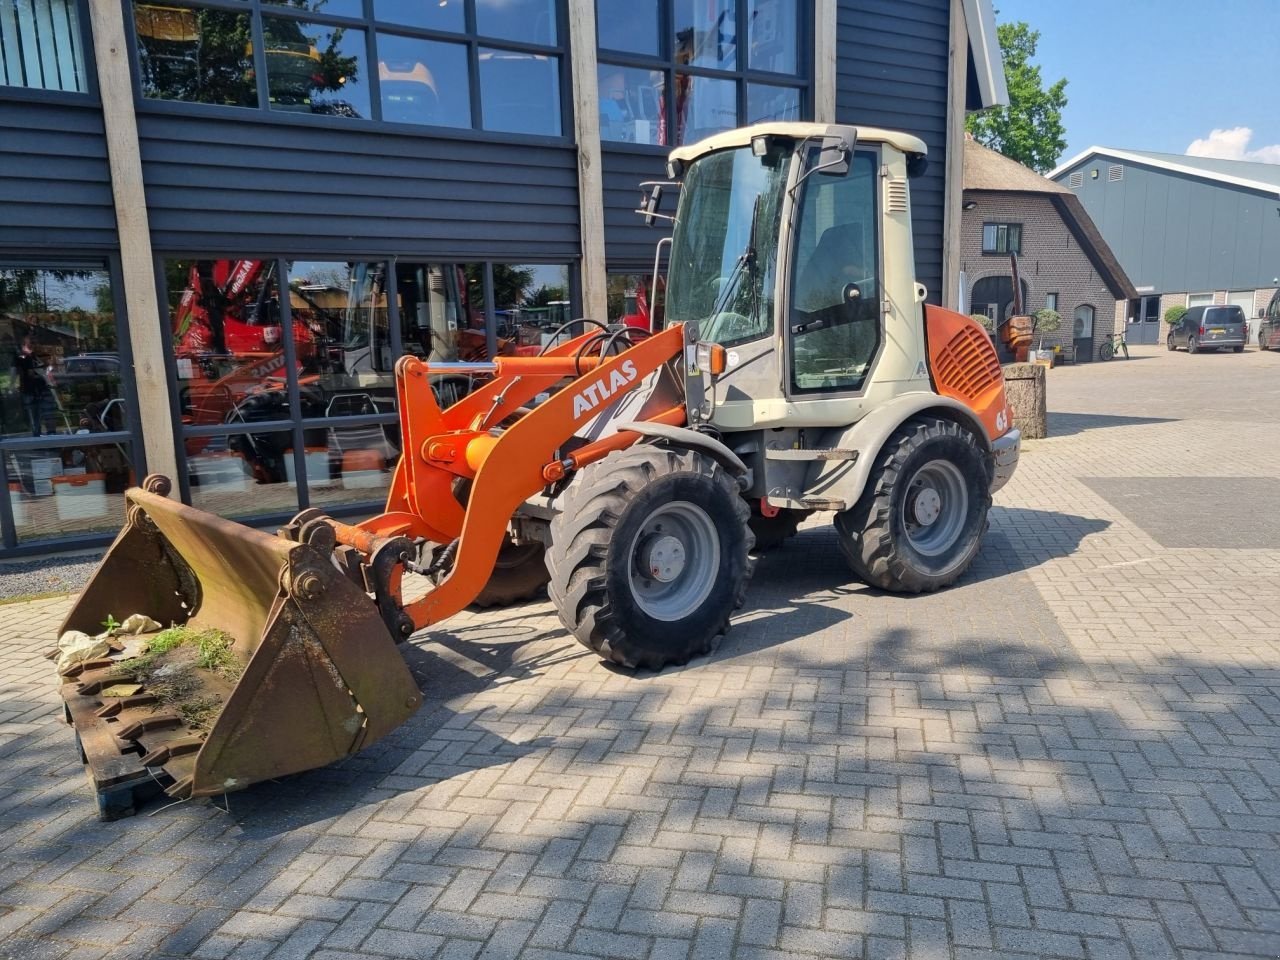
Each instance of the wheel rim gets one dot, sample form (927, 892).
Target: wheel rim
(674, 561)
(935, 507)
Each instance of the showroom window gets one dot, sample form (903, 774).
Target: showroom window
(699, 66)
(41, 45)
(289, 401)
(66, 411)
(491, 65)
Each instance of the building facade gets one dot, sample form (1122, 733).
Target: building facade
(1190, 231)
(1064, 264)
(222, 221)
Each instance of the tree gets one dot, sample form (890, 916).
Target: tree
(1030, 129)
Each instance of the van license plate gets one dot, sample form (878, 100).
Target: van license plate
(1217, 330)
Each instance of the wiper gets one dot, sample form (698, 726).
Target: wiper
(747, 259)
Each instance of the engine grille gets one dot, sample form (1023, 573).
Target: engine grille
(967, 366)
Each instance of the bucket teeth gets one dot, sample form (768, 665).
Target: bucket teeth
(173, 748)
(115, 707)
(157, 721)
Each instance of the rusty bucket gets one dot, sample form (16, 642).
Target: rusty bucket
(318, 674)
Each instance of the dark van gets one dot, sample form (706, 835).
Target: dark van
(1210, 328)
(1269, 328)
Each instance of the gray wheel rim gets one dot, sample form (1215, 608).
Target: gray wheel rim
(935, 507)
(673, 561)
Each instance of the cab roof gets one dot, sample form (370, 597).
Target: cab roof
(798, 131)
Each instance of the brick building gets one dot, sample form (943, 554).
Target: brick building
(1064, 263)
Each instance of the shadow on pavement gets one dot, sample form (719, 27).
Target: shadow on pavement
(1070, 424)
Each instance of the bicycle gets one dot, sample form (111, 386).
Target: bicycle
(1113, 343)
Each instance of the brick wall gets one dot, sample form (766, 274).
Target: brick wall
(1051, 262)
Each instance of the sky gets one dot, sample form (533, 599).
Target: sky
(1176, 76)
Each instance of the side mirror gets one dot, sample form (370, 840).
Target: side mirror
(651, 204)
(834, 157)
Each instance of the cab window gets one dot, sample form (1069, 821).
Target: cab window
(835, 316)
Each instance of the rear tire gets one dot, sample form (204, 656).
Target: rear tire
(649, 555)
(1106, 351)
(772, 532)
(920, 519)
(1262, 341)
(1192, 346)
(1239, 349)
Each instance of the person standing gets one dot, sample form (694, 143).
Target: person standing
(32, 384)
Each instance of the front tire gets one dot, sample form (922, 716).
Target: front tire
(920, 519)
(1169, 343)
(649, 555)
(1106, 351)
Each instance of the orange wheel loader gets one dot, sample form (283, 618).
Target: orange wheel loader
(798, 371)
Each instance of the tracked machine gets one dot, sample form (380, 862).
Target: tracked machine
(799, 371)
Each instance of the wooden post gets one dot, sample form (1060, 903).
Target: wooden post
(142, 307)
(586, 124)
(958, 61)
(824, 61)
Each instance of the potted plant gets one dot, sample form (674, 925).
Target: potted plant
(985, 322)
(1042, 322)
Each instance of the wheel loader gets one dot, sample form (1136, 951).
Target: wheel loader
(799, 371)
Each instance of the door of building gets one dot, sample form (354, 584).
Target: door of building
(1082, 333)
(1244, 300)
(1144, 320)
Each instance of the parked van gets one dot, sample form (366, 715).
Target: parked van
(1210, 328)
(1269, 325)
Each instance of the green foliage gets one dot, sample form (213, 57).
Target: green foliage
(987, 323)
(1030, 129)
(1047, 320)
(1174, 314)
(110, 625)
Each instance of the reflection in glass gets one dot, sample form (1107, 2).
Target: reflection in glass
(771, 35)
(423, 81)
(706, 34)
(772, 103)
(333, 8)
(520, 92)
(40, 46)
(345, 365)
(315, 68)
(704, 106)
(430, 14)
(241, 475)
(628, 25)
(63, 490)
(529, 21)
(442, 318)
(631, 103)
(631, 302)
(63, 369)
(228, 341)
(195, 55)
(531, 301)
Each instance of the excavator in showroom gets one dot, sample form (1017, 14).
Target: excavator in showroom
(798, 370)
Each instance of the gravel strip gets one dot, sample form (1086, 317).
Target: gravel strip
(60, 574)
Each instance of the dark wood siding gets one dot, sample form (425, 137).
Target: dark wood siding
(629, 244)
(55, 187)
(891, 71)
(220, 185)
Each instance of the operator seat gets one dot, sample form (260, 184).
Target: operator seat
(835, 261)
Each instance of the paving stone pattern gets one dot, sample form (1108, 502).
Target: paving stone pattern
(1074, 754)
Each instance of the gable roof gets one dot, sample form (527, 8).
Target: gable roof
(988, 171)
(1264, 177)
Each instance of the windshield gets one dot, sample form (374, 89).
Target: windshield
(722, 277)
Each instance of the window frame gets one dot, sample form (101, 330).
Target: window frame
(89, 95)
(995, 251)
(10, 545)
(296, 424)
(802, 80)
(370, 27)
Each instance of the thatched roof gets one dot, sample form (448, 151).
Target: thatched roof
(986, 171)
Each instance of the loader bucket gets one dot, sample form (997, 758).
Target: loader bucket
(314, 677)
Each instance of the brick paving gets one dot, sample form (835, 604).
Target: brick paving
(1075, 753)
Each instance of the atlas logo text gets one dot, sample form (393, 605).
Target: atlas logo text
(604, 388)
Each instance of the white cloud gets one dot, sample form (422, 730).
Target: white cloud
(1233, 144)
